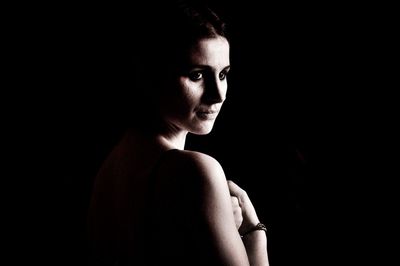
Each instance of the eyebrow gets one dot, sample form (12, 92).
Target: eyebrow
(208, 67)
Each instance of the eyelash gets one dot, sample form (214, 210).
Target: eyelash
(198, 75)
(195, 76)
(223, 74)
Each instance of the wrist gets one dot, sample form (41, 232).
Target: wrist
(256, 247)
(256, 228)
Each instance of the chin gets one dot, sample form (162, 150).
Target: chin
(204, 129)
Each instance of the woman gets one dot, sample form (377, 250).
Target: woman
(153, 201)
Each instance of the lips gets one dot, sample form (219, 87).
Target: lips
(207, 114)
(208, 110)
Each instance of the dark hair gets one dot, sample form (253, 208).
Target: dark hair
(159, 43)
(170, 30)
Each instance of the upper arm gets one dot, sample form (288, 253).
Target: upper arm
(206, 203)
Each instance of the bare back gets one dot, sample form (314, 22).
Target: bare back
(152, 206)
(117, 211)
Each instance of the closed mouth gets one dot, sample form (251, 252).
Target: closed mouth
(207, 111)
(207, 114)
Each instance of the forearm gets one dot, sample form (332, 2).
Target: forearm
(256, 248)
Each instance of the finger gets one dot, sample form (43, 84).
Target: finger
(235, 201)
(241, 194)
(237, 214)
(233, 188)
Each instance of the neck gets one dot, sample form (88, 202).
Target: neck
(167, 135)
(173, 141)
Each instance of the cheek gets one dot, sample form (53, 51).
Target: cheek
(190, 93)
(181, 99)
(224, 88)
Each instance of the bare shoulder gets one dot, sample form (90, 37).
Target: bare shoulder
(195, 177)
(197, 195)
(194, 164)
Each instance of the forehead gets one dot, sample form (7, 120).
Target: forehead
(211, 51)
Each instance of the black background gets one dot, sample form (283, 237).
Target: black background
(296, 131)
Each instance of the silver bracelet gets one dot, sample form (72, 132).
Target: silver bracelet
(259, 226)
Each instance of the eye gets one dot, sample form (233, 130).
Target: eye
(195, 75)
(223, 75)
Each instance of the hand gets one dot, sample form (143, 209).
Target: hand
(237, 212)
(248, 213)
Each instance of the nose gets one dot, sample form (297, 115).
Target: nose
(215, 91)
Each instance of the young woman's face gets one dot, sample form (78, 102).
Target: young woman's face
(200, 88)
